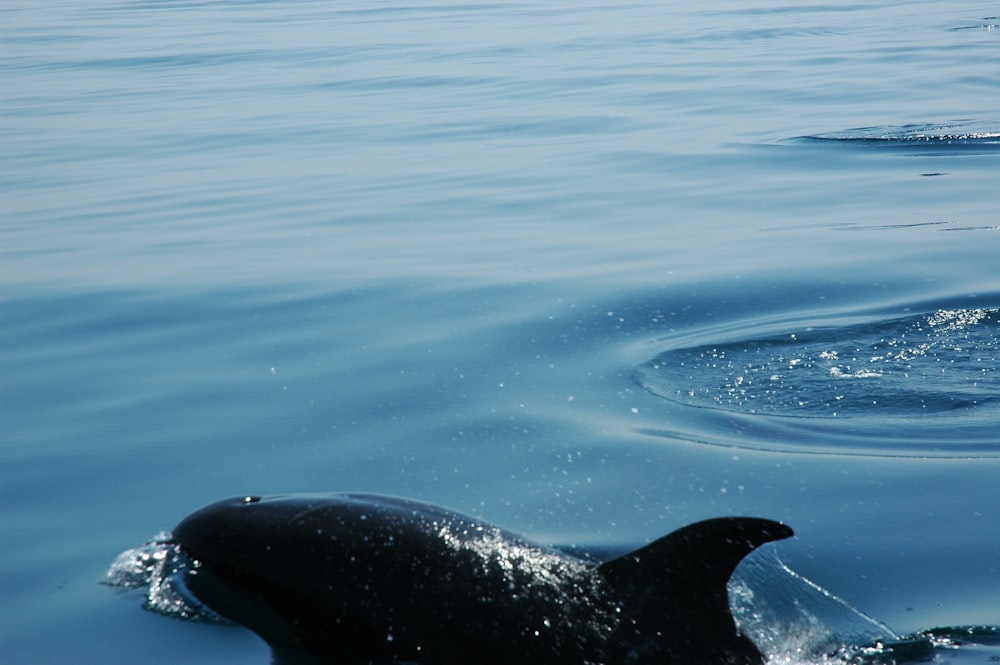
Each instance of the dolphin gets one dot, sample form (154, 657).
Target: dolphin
(362, 578)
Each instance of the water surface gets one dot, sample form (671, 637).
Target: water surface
(588, 271)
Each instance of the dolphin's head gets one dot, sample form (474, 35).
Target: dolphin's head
(320, 573)
(287, 567)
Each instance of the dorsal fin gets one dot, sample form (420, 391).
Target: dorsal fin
(708, 551)
(672, 592)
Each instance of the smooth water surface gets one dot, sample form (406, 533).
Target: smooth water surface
(588, 271)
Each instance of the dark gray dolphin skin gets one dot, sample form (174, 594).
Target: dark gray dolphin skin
(356, 578)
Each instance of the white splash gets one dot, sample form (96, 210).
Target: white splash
(160, 567)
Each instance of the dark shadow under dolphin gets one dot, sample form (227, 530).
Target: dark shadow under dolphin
(356, 578)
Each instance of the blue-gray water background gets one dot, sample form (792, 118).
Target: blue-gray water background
(575, 268)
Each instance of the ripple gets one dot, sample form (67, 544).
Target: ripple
(989, 24)
(959, 135)
(926, 383)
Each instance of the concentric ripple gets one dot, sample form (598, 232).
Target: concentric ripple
(912, 379)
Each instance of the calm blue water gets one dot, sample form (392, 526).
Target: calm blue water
(586, 270)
